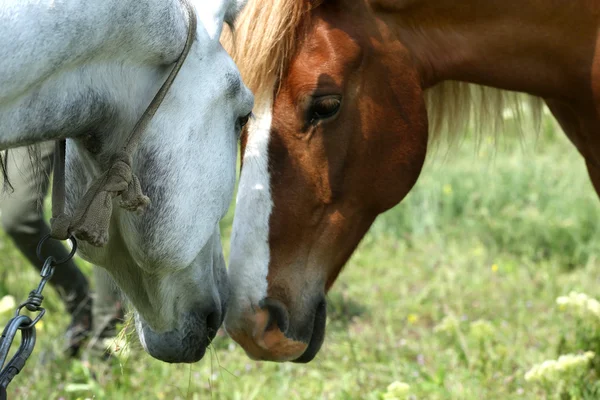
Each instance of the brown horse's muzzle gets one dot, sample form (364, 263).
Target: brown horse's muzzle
(270, 334)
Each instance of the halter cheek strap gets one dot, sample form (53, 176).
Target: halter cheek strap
(91, 218)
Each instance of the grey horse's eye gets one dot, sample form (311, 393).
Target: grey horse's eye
(242, 121)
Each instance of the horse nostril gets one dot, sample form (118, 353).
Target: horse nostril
(278, 314)
(213, 322)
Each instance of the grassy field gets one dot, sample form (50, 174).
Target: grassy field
(453, 293)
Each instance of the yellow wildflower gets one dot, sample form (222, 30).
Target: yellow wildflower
(412, 319)
(447, 189)
(494, 267)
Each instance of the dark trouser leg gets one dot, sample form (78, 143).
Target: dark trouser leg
(23, 220)
(107, 310)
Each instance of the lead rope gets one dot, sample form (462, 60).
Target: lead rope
(90, 221)
(91, 218)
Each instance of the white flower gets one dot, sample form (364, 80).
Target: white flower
(482, 329)
(581, 304)
(569, 365)
(397, 391)
(7, 305)
(448, 325)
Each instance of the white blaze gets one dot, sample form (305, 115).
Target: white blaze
(249, 259)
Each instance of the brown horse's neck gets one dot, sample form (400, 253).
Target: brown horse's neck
(542, 47)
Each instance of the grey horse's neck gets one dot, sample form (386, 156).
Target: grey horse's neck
(65, 66)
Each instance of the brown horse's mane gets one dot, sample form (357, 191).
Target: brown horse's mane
(265, 39)
(266, 36)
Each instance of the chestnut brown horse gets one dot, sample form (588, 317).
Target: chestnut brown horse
(341, 129)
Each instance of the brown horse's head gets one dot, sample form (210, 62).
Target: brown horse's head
(339, 136)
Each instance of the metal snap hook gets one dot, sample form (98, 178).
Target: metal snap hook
(40, 245)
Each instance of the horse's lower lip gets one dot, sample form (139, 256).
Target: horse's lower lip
(169, 348)
(185, 344)
(318, 335)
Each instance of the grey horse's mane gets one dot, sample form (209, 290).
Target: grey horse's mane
(34, 155)
(4, 170)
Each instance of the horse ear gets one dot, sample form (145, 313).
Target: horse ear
(234, 9)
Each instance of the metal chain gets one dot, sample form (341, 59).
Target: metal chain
(24, 323)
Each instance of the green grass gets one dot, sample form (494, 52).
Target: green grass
(495, 234)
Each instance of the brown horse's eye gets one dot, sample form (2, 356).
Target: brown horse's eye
(324, 108)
